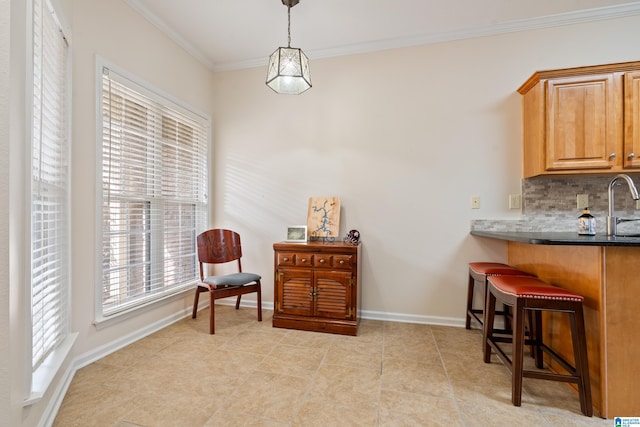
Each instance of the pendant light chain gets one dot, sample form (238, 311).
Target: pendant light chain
(289, 25)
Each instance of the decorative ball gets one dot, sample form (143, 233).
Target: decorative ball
(353, 236)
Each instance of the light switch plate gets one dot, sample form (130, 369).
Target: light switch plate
(475, 202)
(515, 201)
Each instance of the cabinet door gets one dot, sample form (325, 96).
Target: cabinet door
(632, 120)
(333, 291)
(583, 121)
(294, 292)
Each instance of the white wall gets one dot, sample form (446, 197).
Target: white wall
(405, 137)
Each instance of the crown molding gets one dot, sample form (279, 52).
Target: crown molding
(569, 18)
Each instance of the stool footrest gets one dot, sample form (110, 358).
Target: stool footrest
(541, 375)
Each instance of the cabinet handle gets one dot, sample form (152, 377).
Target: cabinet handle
(303, 260)
(631, 156)
(285, 259)
(612, 155)
(341, 261)
(322, 261)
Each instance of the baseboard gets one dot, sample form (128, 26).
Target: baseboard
(412, 318)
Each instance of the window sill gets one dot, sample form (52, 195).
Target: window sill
(43, 376)
(115, 318)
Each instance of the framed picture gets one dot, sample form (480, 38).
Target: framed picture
(323, 217)
(297, 233)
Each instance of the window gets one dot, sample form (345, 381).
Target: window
(49, 256)
(154, 194)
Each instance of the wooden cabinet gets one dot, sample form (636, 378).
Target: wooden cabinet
(582, 120)
(317, 286)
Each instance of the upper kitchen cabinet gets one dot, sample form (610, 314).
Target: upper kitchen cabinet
(582, 120)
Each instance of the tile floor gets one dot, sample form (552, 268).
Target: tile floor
(251, 374)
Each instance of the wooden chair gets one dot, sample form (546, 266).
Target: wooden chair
(220, 246)
(529, 294)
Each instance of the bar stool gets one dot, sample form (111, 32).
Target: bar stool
(479, 272)
(525, 294)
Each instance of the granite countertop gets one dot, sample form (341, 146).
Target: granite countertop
(559, 238)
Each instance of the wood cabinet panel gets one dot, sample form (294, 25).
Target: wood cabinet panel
(632, 120)
(622, 327)
(295, 292)
(582, 129)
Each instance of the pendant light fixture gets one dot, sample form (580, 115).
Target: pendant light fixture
(288, 70)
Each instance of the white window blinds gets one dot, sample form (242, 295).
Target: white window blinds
(154, 194)
(49, 185)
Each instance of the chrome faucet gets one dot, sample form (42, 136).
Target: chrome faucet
(612, 221)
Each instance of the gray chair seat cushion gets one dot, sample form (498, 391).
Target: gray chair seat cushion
(235, 279)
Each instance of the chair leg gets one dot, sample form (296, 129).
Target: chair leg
(195, 303)
(518, 353)
(259, 302)
(467, 323)
(507, 317)
(487, 328)
(536, 334)
(212, 314)
(581, 363)
(238, 302)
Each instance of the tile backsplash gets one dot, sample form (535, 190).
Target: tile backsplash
(549, 204)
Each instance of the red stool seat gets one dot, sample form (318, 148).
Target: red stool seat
(525, 295)
(479, 272)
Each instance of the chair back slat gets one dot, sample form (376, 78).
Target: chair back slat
(219, 246)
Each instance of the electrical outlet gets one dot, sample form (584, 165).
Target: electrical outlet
(582, 201)
(475, 202)
(515, 201)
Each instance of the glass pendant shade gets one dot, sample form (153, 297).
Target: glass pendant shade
(288, 71)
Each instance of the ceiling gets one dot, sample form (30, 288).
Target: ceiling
(235, 34)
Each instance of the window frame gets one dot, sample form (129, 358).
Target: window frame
(105, 318)
(39, 376)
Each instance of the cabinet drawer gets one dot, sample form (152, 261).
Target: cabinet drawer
(304, 260)
(291, 259)
(332, 261)
(286, 259)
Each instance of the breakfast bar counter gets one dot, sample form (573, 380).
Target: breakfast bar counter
(606, 271)
(560, 238)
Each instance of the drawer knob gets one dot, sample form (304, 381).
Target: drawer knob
(631, 156)
(303, 260)
(612, 155)
(322, 261)
(285, 259)
(341, 261)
